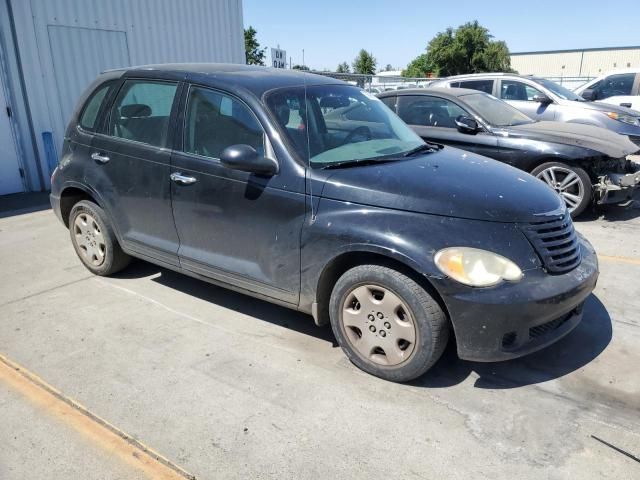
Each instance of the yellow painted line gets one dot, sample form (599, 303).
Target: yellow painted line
(100, 432)
(614, 258)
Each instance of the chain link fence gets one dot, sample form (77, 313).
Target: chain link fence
(383, 82)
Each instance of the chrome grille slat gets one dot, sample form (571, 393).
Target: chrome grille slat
(556, 242)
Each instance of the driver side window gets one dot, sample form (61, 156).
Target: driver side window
(429, 111)
(614, 85)
(512, 90)
(215, 121)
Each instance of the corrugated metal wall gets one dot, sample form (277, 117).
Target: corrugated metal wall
(578, 63)
(64, 44)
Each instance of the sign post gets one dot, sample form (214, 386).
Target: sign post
(278, 58)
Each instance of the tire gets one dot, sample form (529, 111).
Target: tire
(94, 240)
(368, 291)
(554, 173)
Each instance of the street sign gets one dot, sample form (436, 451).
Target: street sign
(278, 58)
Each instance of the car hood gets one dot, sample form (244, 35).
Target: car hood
(449, 182)
(594, 138)
(600, 107)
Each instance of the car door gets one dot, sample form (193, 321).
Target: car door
(433, 118)
(619, 89)
(132, 161)
(236, 227)
(520, 95)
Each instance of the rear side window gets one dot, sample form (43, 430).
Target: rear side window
(92, 107)
(215, 121)
(141, 111)
(485, 86)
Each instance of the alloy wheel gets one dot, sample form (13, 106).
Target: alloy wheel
(89, 238)
(378, 324)
(566, 183)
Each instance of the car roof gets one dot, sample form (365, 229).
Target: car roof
(256, 79)
(442, 92)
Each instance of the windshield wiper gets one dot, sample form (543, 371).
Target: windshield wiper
(353, 163)
(430, 147)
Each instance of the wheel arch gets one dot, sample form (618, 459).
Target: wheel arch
(72, 194)
(342, 262)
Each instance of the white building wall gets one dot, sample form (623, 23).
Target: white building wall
(576, 63)
(64, 44)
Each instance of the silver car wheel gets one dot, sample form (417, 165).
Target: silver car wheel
(378, 325)
(89, 238)
(566, 183)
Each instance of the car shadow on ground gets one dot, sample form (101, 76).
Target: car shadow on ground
(238, 302)
(577, 349)
(571, 353)
(611, 213)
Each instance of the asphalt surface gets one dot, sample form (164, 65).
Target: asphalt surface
(226, 386)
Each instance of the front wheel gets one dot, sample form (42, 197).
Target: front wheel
(571, 183)
(387, 324)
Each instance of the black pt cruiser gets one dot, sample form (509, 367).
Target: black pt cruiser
(240, 176)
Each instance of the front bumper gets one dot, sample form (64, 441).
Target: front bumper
(514, 319)
(618, 188)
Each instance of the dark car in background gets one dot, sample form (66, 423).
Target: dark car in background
(245, 177)
(582, 163)
(543, 99)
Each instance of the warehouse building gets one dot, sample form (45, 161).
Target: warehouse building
(50, 50)
(587, 62)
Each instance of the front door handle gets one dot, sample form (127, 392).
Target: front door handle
(628, 105)
(182, 179)
(99, 157)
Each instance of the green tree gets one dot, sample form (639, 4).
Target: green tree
(254, 55)
(419, 67)
(388, 68)
(364, 63)
(300, 67)
(467, 49)
(343, 68)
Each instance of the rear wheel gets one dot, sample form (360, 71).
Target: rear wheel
(571, 183)
(94, 240)
(386, 323)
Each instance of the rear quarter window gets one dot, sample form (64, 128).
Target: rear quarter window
(92, 107)
(485, 86)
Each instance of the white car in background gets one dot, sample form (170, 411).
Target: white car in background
(619, 87)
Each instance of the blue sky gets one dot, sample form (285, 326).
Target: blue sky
(332, 31)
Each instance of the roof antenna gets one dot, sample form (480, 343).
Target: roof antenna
(306, 129)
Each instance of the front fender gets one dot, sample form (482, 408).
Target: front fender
(407, 237)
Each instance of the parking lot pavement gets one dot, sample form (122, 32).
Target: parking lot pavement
(226, 386)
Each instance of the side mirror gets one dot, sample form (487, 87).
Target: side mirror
(542, 98)
(589, 94)
(467, 125)
(245, 158)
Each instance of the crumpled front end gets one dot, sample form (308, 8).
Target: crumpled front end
(618, 182)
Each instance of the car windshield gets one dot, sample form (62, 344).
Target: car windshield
(559, 90)
(333, 124)
(495, 112)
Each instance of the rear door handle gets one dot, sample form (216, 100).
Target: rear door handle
(628, 105)
(182, 179)
(99, 158)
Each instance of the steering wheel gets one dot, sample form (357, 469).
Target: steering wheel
(361, 130)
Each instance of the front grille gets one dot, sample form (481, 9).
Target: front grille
(556, 243)
(545, 328)
(635, 139)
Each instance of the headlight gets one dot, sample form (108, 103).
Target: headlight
(477, 268)
(621, 117)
